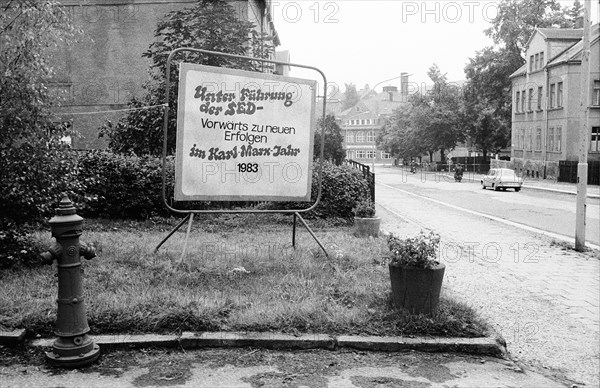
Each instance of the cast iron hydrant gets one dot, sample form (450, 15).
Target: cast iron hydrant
(73, 347)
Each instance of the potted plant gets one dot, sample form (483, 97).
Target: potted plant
(415, 274)
(364, 219)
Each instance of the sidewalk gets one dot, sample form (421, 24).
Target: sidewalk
(544, 301)
(247, 367)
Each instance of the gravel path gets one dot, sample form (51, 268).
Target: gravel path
(543, 300)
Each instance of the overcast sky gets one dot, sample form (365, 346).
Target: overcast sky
(366, 42)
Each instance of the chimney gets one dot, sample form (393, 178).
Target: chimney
(404, 85)
(390, 90)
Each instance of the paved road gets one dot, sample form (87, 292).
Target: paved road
(543, 300)
(550, 211)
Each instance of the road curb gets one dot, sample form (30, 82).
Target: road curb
(12, 338)
(484, 346)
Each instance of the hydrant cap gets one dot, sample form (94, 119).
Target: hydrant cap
(65, 208)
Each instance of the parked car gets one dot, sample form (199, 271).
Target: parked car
(502, 178)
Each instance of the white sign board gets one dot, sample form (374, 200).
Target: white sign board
(243, 136)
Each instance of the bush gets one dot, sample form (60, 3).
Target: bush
(32, 186)
(364, 209)
(342, 187)
(16, 247)
(121, 186)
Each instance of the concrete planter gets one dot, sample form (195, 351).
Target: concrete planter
(365, 227)
(416, 289)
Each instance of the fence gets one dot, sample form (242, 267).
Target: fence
(369, 176)
(567, 172)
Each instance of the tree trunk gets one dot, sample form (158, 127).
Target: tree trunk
(442, 157)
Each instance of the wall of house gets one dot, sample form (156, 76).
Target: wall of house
(105, 69)
(594, 112)
(565, 117)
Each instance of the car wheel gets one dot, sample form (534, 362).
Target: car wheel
(504, 189)
(517, 189)
(496, 188)
(482, 185)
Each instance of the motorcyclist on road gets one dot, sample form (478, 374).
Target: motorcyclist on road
(458, 173)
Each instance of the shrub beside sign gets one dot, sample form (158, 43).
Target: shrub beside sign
(243, 136)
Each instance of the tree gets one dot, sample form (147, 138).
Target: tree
(30, 147)
(398, 138)
(431, 122)
(517, 19)
(333, 149)
(437, 114)
(350, 96)
(209, 25)
(487, 98)
(35, 167)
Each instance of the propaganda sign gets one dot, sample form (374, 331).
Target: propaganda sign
(243, 136)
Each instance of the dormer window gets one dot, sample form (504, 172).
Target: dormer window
(536, 62)
(531, 64)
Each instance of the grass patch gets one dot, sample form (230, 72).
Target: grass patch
(567, 246)
(236, 276)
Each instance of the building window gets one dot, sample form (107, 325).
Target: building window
(537, 61)
(522, 138)
(558, 139)
(530, 102)
(531, 63)
(385, 155)
(595, 144)
(362, 122)
(596, 94)
(371, 137)
(349, 155)
(541, 59)
(529, 139)
(523, 101)
(371, 154)
(559, 94)
(538, 139)
(552, 95)
(360, 154)
(539, 98)
(550, 142)
(517, 101)
(349, 137)
(360, 137)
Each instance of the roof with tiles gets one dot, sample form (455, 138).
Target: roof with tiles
(573, 53)
(375, 105)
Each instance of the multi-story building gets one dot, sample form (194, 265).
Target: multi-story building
(546, 93)
(106, 69)
(362, 123)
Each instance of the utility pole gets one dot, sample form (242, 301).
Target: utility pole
(584, 143)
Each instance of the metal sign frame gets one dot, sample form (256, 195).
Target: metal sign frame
(190, 212)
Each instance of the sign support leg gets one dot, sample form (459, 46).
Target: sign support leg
(296, 214)
(187, 236)
(294, 232)
(171, 232)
